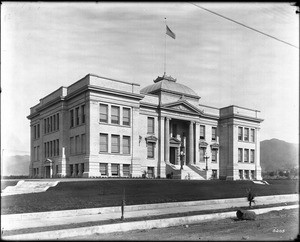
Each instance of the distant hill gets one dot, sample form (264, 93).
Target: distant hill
(16, 165)
(277, 154)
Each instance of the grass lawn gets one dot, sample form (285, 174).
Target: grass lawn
(104, 193)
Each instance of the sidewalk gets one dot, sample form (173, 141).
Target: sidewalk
(32, 222)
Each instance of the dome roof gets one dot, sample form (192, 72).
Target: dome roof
(169, 84)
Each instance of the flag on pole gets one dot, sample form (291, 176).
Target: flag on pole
(170, 33)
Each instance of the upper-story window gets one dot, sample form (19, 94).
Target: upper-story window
(214, 155)
(77, 115)
(202, 154)
(246, 137)
(71, 118)
(252, 153)
(150, 128)
(246, 155)
(202, 132)
(252, 135)
(174, 130)
(115, 115)
(36, 131)
(240, 133)
(126, 116)
(150, 149)
(240, 155)
(83, 114)
(103, 142)
(104, 113)
(115, 144)
(126, 145)
(214, 133)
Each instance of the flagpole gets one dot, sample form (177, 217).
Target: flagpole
(165, 49)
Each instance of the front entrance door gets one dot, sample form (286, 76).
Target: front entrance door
(173, 155)
(47, 171)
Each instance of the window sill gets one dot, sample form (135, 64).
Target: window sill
(245, 141)
(118, 125)
(150, 158)
(76, 126)
(106, 153)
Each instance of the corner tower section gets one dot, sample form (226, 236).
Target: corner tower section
(239, 143)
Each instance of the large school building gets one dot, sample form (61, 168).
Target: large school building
(100, 127)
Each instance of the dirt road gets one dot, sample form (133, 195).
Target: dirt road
(276, 225)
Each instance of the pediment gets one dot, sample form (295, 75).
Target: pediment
(203, 144)
(214, 146)
(183, 106)
(174, 141)
(151, 138)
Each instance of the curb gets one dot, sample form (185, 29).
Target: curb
(226, 203)
(136, 225)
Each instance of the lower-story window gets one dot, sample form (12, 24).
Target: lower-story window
(82, 168)
(150, 171)
(214, 174)
(71, 170)
(56, 169)
(150, 150)
(241, 174)
(103, 169)
(247, 174)
(115, 169)
(126, 170)
(252, 175)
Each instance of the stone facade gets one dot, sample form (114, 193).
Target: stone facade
(100, 127)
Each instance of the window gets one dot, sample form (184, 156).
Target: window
(48, 125)
(150, 172)
(213, 155)
(252, 132)
(54, 147)
(150, 150)
(213, 133)
(247, 174)
(51, 126)
(202, 132)
(34, 152)
(72, 118)
(246, 155)
(77, 144)
(72, 146)
(48, 144)
(103, 113)
(38, 153)
(57, 144)
(240, 155)
(45, 150)
(45, 126)
(34, 132)
(103, 142)
(57, 118)
(174, 130)
(126, 145)
(56, 169)
(103, 169)
(71, 170)
(51, 148)
(77, 115)
(83, 114)
(214, 174)
(83, 145)
(202, 154)
(150, 129)
(252, 175)
(240, 134)
(126, 116)
(252, 156)
(246, 138)
(241, 174)
(115, 169)
(126, 170)
(115, 144)
(115, 115)
(54, 123)
(82, 168)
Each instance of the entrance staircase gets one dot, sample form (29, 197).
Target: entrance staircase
(23, 187)
(189, 172)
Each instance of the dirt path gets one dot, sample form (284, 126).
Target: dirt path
(275, 225)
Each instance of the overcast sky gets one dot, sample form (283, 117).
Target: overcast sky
(48, 45)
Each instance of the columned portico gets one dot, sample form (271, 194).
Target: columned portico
(191, 142)
(167, 140)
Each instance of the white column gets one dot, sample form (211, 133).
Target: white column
(161, 146)
(167, 140)
(197, 159)
(191, 143)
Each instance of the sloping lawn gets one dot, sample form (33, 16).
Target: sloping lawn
(104, 193)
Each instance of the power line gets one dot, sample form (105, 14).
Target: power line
(245, 25)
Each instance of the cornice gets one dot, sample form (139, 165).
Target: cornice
(237, 116)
